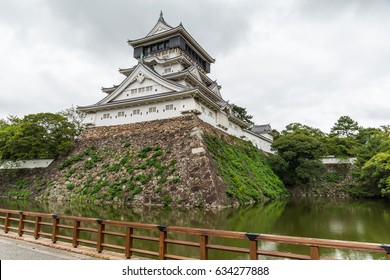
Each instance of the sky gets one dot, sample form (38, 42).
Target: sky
(285, 61)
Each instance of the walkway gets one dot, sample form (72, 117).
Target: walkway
(15, 249)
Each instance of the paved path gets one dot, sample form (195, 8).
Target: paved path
(13, 249)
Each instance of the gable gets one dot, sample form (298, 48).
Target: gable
(158, 28)
(194, 71)
(215, 88)
(142, 82)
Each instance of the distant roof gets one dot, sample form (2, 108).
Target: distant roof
(261, 129)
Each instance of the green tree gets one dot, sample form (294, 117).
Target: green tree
(341, 147)
(375, 174)
(76, 117)
(370, 174)
(345, 127)
(304, 129)
(242, 114)
(343, 140)
(42, 135)
(298, 158)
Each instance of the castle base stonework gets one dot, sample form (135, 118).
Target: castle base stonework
(161, 162)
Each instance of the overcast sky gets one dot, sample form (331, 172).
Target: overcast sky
(307, 61)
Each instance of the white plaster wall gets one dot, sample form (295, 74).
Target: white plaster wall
(179, 108)
(160, 69)
(26, 164)
(205, 114)
(257, 141)
(145, 115)
(90, 119)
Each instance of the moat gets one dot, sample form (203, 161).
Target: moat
(352, 220)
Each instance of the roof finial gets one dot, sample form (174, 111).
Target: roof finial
(161, 16)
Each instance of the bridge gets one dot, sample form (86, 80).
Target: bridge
(68, 230)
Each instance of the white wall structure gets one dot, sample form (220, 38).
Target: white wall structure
(170, 80)
(335, 160)
(26, 164)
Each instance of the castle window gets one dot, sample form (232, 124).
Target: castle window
(141, 89)
(211, 114)
(169, 107)
(121, 114)
(152, 109)
(136, 112)
(106, 116)
(167, 70)
(203, 110)
(133, 91)
(149, 88)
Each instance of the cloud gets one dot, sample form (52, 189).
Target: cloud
(285, 61)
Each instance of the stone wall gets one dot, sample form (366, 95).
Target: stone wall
(188, 173)
(162, 162)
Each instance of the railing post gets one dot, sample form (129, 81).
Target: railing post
(129, 242)
(162, 248)
(314, 252)
(387, 249)
(37, 227)
(204, 251)
(7, 222)
(54, 232)
(100, 235)
(21, 223)
(76, 233)
(253, 245)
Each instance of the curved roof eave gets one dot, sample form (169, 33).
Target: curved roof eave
(177, 30)
(137, 101)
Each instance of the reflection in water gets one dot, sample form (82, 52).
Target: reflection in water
(354, 220)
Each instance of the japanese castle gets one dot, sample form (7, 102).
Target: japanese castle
(170, 80)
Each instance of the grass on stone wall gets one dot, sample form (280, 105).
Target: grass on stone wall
(122, 173)
(244, 169)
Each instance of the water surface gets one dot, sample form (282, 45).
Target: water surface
(352, 220)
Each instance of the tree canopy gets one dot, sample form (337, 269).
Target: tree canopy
(35, 136)
(298, 155)
(299, 149)
(242, 114)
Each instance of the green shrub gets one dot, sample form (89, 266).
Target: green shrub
(166, 200)
(175, 180)
(70, 186)
(244, 169)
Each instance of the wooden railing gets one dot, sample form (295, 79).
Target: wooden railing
(71, 228)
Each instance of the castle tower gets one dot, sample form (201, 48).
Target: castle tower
(170, 80)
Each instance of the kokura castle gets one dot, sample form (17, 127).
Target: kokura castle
(171, 80)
